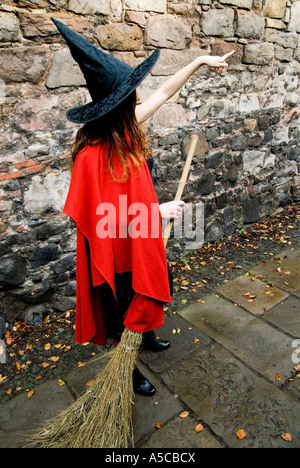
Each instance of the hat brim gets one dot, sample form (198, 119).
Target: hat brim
(95, 110)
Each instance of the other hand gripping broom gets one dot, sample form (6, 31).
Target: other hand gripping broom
(102, 416)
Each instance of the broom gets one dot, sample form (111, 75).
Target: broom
(102, 416)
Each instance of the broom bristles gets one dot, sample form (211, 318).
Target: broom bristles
(102, 416)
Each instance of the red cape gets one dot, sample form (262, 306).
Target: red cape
(99, 259)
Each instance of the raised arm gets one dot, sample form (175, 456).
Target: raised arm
(145, 110)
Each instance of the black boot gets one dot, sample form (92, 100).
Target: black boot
(141, 385)
(151, 343)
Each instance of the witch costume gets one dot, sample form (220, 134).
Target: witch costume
(122, 280)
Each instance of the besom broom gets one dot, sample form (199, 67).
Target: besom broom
(102, 416)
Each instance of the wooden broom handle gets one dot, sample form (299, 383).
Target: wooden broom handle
(182, 183)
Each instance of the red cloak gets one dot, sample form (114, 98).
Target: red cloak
(116, 235)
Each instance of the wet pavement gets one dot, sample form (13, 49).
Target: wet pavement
(233, 365)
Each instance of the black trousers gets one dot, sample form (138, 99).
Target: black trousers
(114, 311)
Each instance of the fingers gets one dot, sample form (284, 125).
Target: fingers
(172, 210)
(229, 54)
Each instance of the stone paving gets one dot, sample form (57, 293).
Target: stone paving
(230, 366)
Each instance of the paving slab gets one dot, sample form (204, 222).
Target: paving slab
(181, 335)
(286, 316)
(23, 416)
(251, 339)
(253, 294)
(283, 270)
(179, 434)
(229, 397)
(148, 412)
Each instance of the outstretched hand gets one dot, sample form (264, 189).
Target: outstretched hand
(219, 64)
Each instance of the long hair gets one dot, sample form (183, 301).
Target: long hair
(123, 133)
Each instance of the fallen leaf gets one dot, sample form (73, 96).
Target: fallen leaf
(159, 426)
(196, 340)
(287, 437)
(90, 383)
(47, 347)
(54, 358)
(80, 364)
(9, 391)
(277, 377)
(30, 394)
(2, 378)
(199, 428)
(45, 364)
(241, 434)
(61, 383)
(184, 414)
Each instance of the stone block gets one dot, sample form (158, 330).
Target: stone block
(172, 61)
(248, 103)
(254, 161)
(91, 7)
(23, 64)
(172, 115)
(9, 27)
(12, 271)
(294, 24)
(250, 25)
(275, 8)
(247, 4)
(284, 39)
(168, 32)
(34, 25)
(218, 23)
(259, 54)
(64, 71)
(46, 193)
(120, 36)
(157, 6)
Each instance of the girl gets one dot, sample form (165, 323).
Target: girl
(122, 274)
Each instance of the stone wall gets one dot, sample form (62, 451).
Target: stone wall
(247, 161)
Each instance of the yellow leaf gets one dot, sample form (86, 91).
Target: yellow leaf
(184, 414)
(47, 347)
(277, 377)
(45, 364)
(30, 394)
(2, 378)
(196, 340)
(159, 426)
(90, 383)
(9, 391)
(54, 358)
(61, 383)
(80, 364)
(287, 437)
(241, 434)
(199, 428)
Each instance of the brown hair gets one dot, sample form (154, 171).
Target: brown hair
(123, 133)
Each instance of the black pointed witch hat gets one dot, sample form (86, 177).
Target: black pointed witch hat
(109, 80)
